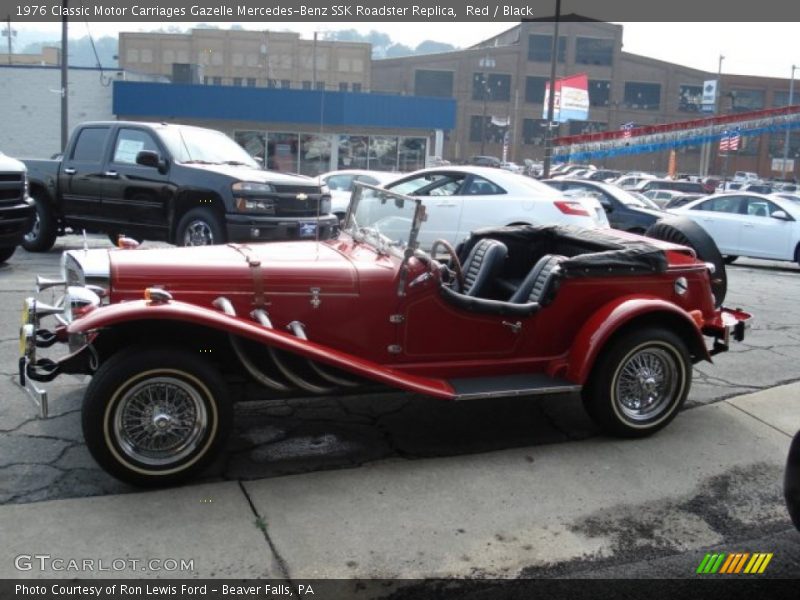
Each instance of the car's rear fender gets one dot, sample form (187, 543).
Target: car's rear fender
(620, 315)
(128, 313)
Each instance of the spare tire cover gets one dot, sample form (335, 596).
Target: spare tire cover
(684, 231)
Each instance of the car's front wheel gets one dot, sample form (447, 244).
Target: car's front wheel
(639, 382)
(154, 417)
(200, 227)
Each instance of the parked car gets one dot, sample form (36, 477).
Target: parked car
(631, 181)
(512, 167)
(16, 208)
(758, 188)
(485, 161)
(746, 224)
(662, 197)
(791, 481)
(624, 210)
(185, 185)
(170, 336)
(683, 199)
(605, 175)
(689, 187)
(340, 185)
(459, 200)
(745, 177)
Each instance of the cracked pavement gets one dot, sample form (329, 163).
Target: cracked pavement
(47, 459)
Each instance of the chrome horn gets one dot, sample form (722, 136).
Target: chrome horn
(42, 283)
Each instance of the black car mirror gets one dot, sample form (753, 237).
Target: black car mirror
(148, 158)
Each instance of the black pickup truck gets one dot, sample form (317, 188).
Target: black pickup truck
(16, 209)
(185, 185)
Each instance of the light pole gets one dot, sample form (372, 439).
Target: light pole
(64, 78)
(705, 159)
(487, 62)
(548, 139)
(786, 139)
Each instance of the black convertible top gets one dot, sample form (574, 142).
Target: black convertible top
(590, 252)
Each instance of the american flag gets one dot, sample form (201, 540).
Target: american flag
(626, 129)
(730, 140)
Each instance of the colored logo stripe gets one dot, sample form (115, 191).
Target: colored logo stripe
(734, 563)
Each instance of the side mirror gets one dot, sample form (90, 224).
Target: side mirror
(148, 158)
(781, 215)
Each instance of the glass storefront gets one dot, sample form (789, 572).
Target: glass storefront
(313, 154)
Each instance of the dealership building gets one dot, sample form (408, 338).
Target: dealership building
(314, 105)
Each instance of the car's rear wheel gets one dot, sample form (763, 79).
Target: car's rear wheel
(154, 417)
(44, 230)
(730, 259)
(683, 231)
(639, 382)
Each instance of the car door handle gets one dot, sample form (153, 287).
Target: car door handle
(69, 171)
(112, 174)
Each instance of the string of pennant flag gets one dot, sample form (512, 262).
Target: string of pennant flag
(655, 138)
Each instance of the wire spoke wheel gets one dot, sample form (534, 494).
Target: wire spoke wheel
(160, 421)
(646, 383)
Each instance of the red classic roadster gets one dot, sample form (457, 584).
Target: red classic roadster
(170, 336)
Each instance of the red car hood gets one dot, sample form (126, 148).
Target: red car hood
(283, 267)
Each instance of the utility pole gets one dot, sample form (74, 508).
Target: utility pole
(64, 78)
(551, 99)
(9, 33)
(786, 139)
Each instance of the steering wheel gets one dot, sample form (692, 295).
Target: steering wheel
(453, 259)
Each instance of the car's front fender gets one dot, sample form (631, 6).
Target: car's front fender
(611, 317)
(175, 311)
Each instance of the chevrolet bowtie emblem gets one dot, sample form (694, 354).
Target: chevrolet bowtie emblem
(302, 197)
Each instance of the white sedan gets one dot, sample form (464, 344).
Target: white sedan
(459, 200)
(747, 224)
(340, 183)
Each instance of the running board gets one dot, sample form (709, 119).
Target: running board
(474, 388)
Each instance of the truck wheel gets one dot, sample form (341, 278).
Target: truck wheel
(5, 253)
(639, 383)
(199, 227)
(154, 417)
(43, 232)
(684, 231)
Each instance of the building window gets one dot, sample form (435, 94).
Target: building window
(586, 127)
(777, 140)
(746, 100)
(306, 85)
(286, 84)
(642, 96)
(251, 82)
(344, 65)
(599, 92)
(237, 81)
(353, 150)
(237, 59)
(749, 146)
(593, 51)
(382, 153)
(132, 55)
(282, 152)
(535, 89)
(253, 142)
(493, 133)
(356, 87)
(272, 83)
(216, 80)
(315, 154)
(251, 60)
(494, 87)
(411, 153)
(534, 132)
(433, 83)
(780, 99)
(320, 85)
(342, 86)
(356, 65)
(691, 98)
(147, 55)
(540, 48)
(217, 58)
(206, 80)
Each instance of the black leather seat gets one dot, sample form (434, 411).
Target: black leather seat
(482, 266)
(536, 285)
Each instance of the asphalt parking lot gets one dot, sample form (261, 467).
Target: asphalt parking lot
(46, 459)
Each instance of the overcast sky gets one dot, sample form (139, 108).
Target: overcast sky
(767, 49)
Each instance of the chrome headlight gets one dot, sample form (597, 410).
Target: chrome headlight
(253, 187)
(84, 267)
(78, 299)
